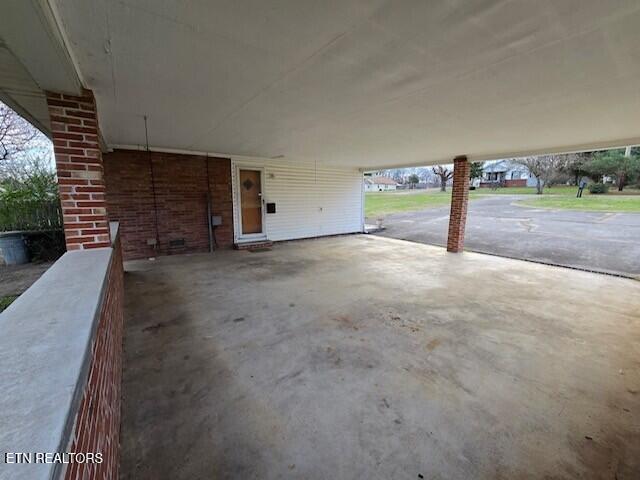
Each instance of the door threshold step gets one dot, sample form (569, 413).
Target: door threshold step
(253, 245)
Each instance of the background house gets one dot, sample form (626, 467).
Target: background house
(507, 173)
(379, 184)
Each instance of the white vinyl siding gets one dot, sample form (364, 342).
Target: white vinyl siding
(310, 201)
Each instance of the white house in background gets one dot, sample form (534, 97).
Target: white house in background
(507, 173)
(379, 184)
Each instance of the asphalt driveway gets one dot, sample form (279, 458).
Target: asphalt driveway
(603, 242)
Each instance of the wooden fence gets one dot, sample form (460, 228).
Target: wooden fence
(30, 215)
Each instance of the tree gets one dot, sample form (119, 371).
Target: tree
(36, 182)
(28, 168)
(577, 164)
(445, 174)
(24, 150)
(476, 170)
(413, 180)
(16, 134)
(29, 197)
(614, 163)
(543, 167)
(395, 173)
(426, 175)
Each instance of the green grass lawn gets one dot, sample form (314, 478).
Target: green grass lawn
(597, 203)
(384, 203)
(377, 204)
(557, 190)
(563, 197)
(6, 301)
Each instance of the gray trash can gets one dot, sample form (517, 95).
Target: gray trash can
(13, 250)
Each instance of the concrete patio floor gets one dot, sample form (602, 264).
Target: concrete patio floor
(366, 357)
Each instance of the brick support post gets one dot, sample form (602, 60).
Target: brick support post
(74, 129)
(459, 200)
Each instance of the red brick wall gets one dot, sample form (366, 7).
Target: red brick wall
(74, 130)
(459, 201)
(521, 182)
(181, 185)
(97, 426)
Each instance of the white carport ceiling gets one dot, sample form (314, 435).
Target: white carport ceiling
(20, 92)
(31, 47)
(360, 82)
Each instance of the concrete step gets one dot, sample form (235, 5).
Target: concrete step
(253, 245)
(369, 228)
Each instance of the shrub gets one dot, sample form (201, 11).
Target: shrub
(27, 214)
(45, 246)
(30, 204)
(598, 188)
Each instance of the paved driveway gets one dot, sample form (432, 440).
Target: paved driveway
(605, 242)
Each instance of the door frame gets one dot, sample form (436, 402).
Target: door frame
(241, 237)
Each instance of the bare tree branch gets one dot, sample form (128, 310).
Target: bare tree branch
(16, 134)
(24, 150)
(445, 174)
(543, 167)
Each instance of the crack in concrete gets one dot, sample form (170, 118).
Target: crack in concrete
(606, 217)
(528, 225)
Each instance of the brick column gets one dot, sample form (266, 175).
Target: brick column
(74, 129)
(459, 200)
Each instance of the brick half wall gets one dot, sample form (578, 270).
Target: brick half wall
(521, 182)
(97, 424)
(163, 196)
